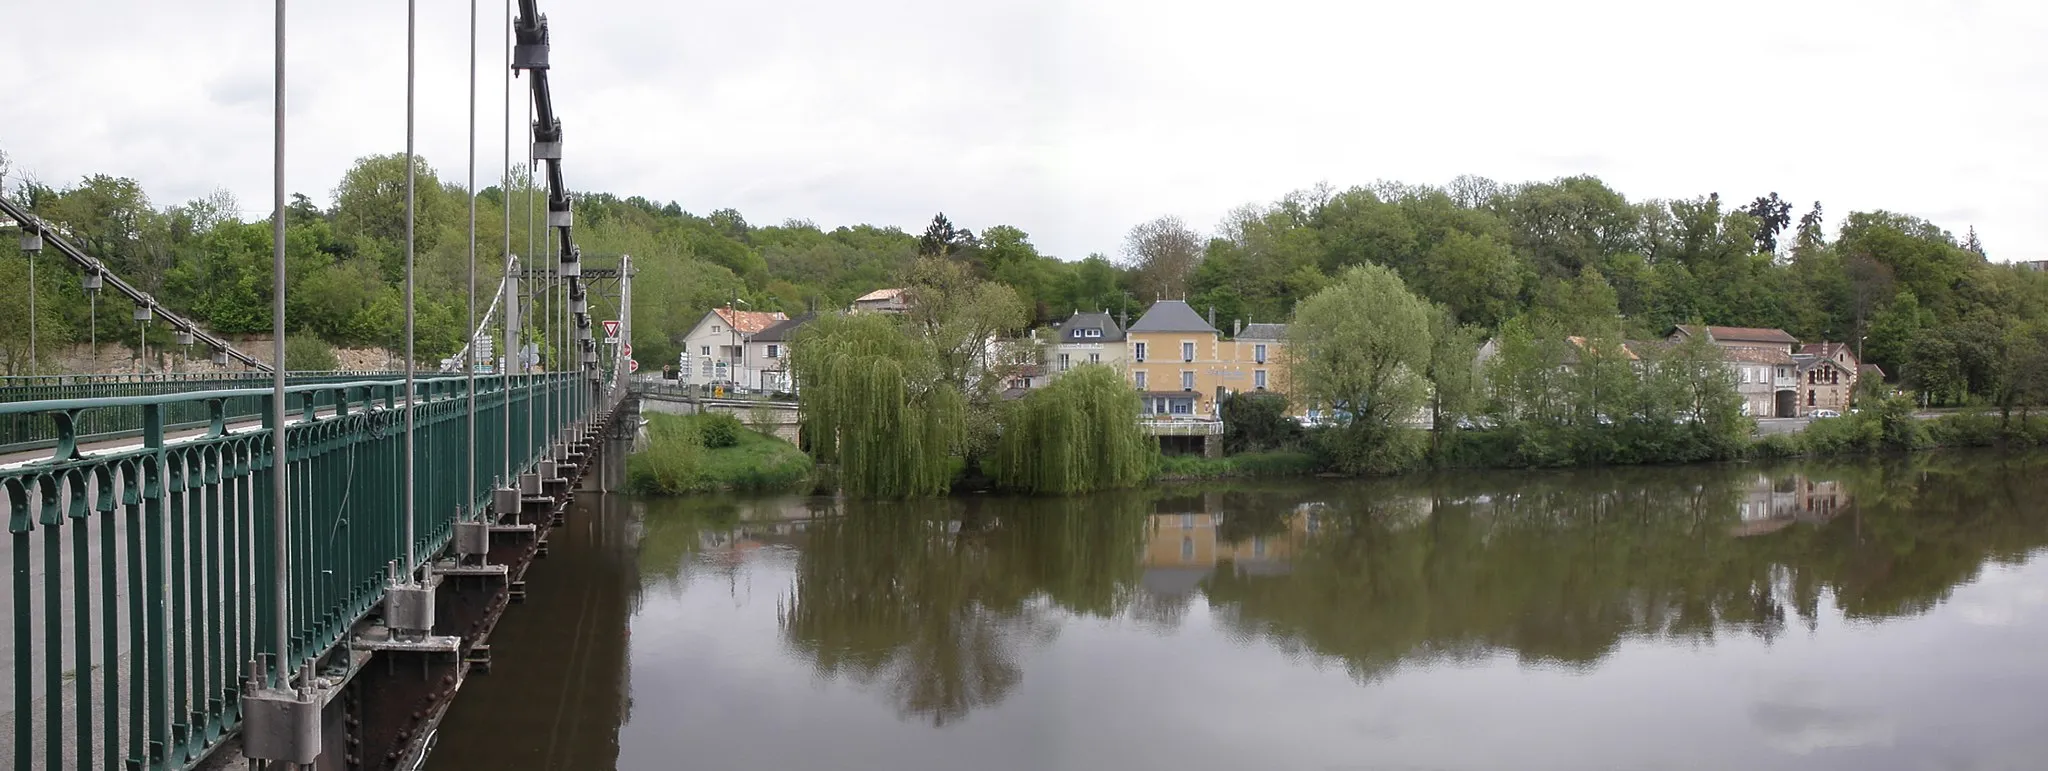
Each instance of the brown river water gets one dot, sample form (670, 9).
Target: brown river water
(1873, 614)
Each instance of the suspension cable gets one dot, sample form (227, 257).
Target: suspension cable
(411, 24)
(469, 358)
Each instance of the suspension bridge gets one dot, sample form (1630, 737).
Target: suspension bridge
(286, 569)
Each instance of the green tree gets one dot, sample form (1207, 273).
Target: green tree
(1454, 376)
(1362, 345)
(1162, 255)
(1257, 420)
(1476, 277)
(874, 404)
(1078, 434)
(369, 209)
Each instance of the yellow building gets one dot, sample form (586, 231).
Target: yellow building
(1181, 364)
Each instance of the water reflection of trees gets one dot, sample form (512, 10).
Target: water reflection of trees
(933, 601)
(1566, 565)
(934, 604)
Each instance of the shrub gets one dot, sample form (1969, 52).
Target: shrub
(306, 353)
(1779, 446)
(1858, 433)
(1278, 463)
(719, 430)
(1258, 421)
(673, 462)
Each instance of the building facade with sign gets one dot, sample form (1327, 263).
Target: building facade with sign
(1181, 364)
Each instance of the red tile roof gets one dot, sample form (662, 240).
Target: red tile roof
(749, 322)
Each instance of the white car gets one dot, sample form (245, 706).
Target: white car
(1823, 414)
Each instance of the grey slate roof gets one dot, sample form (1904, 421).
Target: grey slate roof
(1172, 316)
(1111, 333)
(782, 331)
(1263, 332)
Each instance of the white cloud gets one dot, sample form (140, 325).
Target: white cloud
(1076, 120)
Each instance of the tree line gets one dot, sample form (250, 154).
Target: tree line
(1924, 304)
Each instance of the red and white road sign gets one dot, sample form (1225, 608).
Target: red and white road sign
(626, 350)
(632, 365)
(611, 330)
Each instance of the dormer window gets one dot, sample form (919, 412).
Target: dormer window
(1094, 333)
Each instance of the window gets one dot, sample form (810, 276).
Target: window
(1094, 358)
(1187, 380)
(1187, 549)
(1138, 351)
(1064, 366)
(773, 352)
(1183, 406)
(1094, 333)
(1259, 379)
(1187, 521)
(1187, 351)
(1745, 374)
(1809, 397)
(1259, 355)
(707, 350)
(717, 328)
(1138, 378)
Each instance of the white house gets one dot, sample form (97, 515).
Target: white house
(768, 350)
(717, 350)
(1085, 338)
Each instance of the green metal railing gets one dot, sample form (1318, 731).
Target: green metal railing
(37, 430)
(144, 626)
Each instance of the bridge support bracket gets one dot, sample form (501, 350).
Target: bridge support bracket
(409, 605)
(280, 724)
(472, 538)
(505, 501)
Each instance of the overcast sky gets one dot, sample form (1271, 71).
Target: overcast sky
(1075, 120)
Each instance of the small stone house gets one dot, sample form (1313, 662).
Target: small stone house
(1827, 377)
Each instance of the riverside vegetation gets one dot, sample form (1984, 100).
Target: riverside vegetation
(714, 452)
(1928, 304)
(1531, 265)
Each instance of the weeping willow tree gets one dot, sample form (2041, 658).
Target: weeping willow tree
(1080, 433)
(873, 404)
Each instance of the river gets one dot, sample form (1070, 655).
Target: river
(1878, 614)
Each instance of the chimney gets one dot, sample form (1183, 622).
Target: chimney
(1237, 328)
(1212, 317)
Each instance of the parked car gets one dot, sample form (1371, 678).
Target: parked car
(1823, 413)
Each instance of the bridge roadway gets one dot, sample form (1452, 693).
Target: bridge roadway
(192, 496)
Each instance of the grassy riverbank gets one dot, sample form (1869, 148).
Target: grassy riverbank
(1887, 427)
(1250, 465)
(710, 453)
(700, 454)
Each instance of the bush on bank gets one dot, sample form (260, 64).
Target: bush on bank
(709, 453)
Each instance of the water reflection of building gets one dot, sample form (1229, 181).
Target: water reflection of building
(1772, 503)
(1184, 547)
